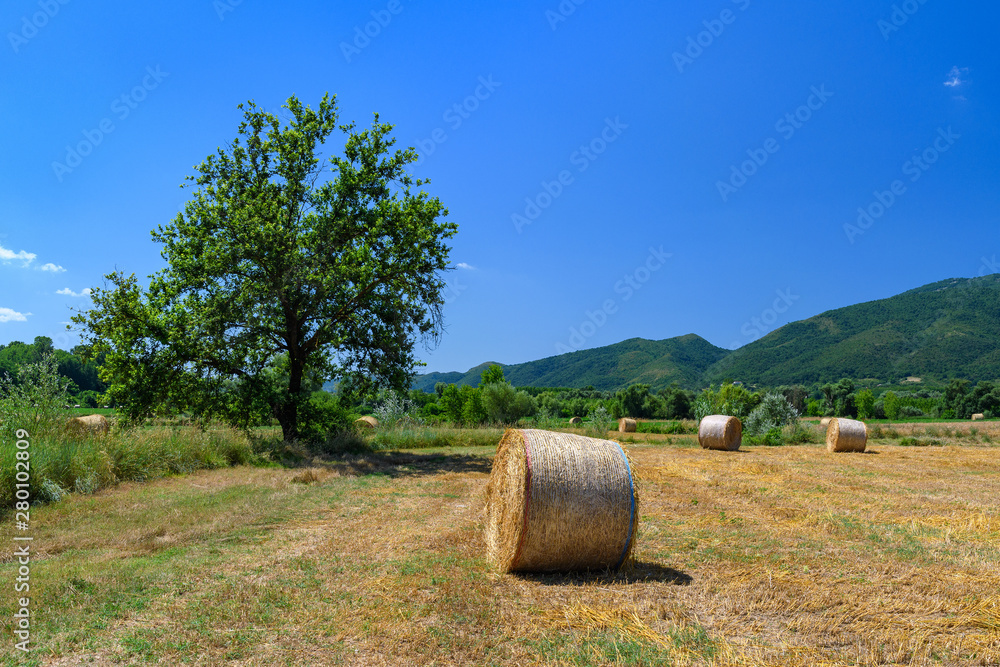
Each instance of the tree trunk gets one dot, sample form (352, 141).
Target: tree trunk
(288, 411)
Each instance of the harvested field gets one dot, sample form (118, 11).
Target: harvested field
(767, 556)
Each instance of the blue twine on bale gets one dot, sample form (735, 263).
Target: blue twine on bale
(631, 517)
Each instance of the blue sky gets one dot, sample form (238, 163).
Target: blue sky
(651, 169)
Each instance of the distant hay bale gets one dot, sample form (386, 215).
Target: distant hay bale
(825, 421)
(559, 502)
(626, 425)
(978, 416)
(91, 424)
(366, 422)
(846, 435)
(720, 432)
(575, 420)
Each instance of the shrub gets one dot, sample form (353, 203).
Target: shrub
(394, 410)
(772, 438)
(600, 422)
(920, 442)
(798, 433)
(321, 416)
(774, 412)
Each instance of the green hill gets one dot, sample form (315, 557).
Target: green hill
(939, 331)
(654, 362)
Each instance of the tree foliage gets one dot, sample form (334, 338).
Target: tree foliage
(333, 267)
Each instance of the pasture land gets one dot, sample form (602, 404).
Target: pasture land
(767, 556)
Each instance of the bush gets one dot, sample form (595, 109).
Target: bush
(771, 438)
(321, 416)
(34, 400)
(798, 433)
(600, 423)
(774, 412)
(394, 410)
(910, 411)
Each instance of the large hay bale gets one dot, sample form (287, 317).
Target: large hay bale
(825, 421)
(626, 425)
(366, 422)
(575, 420)
(559, 502)
(978, 416)
(846, 435)
(90, 424)
(720, 432)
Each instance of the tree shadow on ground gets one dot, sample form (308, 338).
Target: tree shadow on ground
(634, 573)
(404, 464)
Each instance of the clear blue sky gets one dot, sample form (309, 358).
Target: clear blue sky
(642, 110)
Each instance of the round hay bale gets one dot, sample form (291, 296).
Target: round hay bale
(575, 420)
(366, 422)
(626, 425)
(559, 502)
(90, 424)
(978, 416)
(846, 435)
(720, 432)
(825, 421)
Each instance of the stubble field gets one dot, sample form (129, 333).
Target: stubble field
(767, 556)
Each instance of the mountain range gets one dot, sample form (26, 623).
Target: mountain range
(948, 329)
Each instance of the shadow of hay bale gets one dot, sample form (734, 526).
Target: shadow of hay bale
(634, 573)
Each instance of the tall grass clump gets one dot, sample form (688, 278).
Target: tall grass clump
(64, 462)
(424, 437)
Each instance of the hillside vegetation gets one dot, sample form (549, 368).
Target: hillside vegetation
(948, 329)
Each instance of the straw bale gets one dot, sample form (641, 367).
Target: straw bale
(575, 420)
(978, 416)
(846, 435)
(626, 425)
(96, 424)
(559, 502)
(825, 421)
(720, 432)
(366, 422)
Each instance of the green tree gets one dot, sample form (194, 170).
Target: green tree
(492, 375)
(865, 402)
(634, 401)
(892, 405)
(473, 412)
(505, 405)
(451, 403)
(338, 269)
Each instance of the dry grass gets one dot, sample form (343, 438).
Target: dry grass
(770, 556)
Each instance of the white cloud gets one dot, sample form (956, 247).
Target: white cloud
(54, 268)
(8, 315)
(22, 256)
(68, 292)
(955, 76)
(463, 265)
